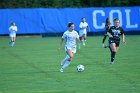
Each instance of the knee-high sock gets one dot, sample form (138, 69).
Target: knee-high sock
(113, 56)
(67, 63)
(65, 59)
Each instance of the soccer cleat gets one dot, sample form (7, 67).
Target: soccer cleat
(12, 44)
(112, 62)
(84, 44)
(9, 42)
(106, 46)
(61, 70)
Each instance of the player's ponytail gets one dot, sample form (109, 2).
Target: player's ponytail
(108, 21)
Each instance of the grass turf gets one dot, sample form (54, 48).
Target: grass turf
(32, 66)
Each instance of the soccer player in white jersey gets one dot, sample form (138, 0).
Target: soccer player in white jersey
(83, 32)
(12, 30)
(70, 36)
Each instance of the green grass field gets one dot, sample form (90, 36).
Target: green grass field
(32, 66)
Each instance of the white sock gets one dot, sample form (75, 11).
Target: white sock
(79, 45)
(67, 63)
(65, 59)
(12, 43)
(85, 41)
(82, 41)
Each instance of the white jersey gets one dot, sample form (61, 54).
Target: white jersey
(13, 30)
(70, 38)
(83, 31)
(83, 25)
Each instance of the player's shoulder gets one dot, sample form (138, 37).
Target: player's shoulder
(11, 26)
(81, 23)
(120, 28)
(86, 23)
(66, 31)
(75, 31)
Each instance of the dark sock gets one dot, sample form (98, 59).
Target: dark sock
(104, 39)
(113, 56)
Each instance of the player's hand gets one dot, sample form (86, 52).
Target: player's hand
(110, 36)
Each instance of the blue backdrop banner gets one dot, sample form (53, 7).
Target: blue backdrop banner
(55, 20)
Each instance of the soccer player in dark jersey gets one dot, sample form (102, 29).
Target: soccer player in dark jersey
(107, 27)
(114, 38)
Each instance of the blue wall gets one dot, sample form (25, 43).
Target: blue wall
(52, 20)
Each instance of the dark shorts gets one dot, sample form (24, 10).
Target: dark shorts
(114, 40)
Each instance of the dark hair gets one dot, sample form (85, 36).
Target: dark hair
(107, 21)
(83, 17)
(12, 23)
(116, 19)
(69, 24)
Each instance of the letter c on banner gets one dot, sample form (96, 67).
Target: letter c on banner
(94, 16)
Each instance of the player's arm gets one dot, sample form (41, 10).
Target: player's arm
(62, 39)
(109, 33)
(78, 40)
(88, 28)
(77, 37)
(123, 36)
(61, 42)
(16, 29)
(10, 29)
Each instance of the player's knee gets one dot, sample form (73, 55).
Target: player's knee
(114, 51)
(71, 57)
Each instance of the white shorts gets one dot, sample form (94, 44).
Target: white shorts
(81, 33)
(73, 49)
(12, 34)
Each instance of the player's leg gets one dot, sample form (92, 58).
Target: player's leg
(117, 45)
(10, 37)
(64, 60)
(79, 43)
(113, 52)
(68, 60)
(12, 43)
(104, 38)
(85, 37)
(103, 41)
(13, 39)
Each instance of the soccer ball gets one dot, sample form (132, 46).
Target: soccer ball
(80, 68)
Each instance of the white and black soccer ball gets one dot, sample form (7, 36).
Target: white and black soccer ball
(80, 68)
